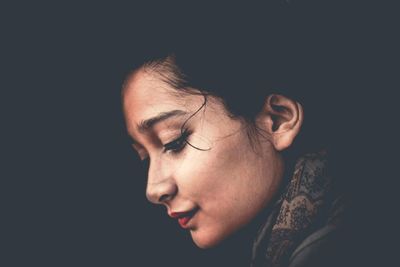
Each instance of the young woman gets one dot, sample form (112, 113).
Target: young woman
(216, 161)
(230, 132)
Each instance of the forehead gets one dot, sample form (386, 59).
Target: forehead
(147, 86)
(146, 95)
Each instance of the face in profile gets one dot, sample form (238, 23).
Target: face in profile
(202, 166)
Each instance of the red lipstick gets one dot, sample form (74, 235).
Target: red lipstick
(183, 217)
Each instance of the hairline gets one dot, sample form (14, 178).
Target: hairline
(167, 70)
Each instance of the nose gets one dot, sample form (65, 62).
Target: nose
(161, 187)
(161, 192)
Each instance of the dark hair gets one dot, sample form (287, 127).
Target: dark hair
(243, 65)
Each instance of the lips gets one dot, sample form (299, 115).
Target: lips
(183, 217)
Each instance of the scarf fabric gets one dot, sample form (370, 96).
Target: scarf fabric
(307, 204)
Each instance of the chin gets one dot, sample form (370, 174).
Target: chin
(205, 240)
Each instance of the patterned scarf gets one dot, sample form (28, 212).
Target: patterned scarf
(308, 203)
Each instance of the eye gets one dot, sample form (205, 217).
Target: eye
(178, 144)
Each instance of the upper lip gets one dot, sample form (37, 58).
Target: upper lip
(181, 214)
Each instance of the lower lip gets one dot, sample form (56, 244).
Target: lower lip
(183, 222)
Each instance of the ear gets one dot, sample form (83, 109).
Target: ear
(282, 118)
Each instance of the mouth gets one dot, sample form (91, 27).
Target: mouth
(184, 217)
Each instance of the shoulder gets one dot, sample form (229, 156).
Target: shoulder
(324, 247)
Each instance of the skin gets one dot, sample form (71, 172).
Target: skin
(227, 181)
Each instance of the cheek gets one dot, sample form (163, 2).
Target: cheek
(198, 175)
(229, 187)
(219, 174)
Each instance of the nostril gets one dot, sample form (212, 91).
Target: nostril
(164, 197)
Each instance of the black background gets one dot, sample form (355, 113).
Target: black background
(73, 188)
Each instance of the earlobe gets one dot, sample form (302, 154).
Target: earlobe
(282, 117)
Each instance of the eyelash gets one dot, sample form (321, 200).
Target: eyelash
(174, 146)
(178, 144)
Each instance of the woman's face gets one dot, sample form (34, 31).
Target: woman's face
(203, 168)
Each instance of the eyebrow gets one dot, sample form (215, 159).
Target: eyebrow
(145, 125)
